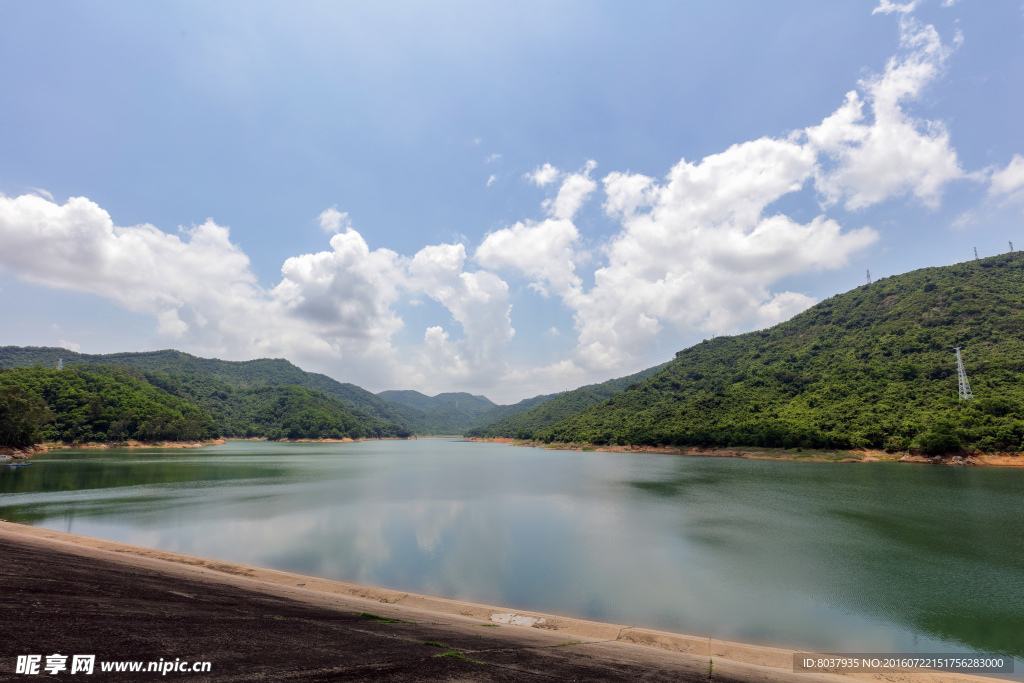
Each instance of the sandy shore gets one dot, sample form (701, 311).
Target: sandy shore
(29, 451)
(859, 455)
(78, 595)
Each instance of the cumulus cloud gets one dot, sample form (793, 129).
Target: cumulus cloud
(699, 252)
(490, 181)
(892, 153)
(477, 301)
(1009, 182)
(544, 252)
(575, 190)
(543, 175)
(333, 308)
(70, 346)
(333, 221)
(76, 246)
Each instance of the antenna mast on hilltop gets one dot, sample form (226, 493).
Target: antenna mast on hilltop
(975, 253)
(965, 386)
(1011, 247)
(869, 277)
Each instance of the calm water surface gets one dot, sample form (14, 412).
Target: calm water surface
(826, 557)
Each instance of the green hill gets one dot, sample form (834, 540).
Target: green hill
(210, 382)
(450, 413)
(545, 411)
(501, 412)
(873, 367)
(272, 372)
(274, 412)
(101, 404)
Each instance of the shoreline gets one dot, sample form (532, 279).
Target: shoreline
(520, 628)
(25, 452)
(854, 455)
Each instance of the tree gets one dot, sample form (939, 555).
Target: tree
(20, 417)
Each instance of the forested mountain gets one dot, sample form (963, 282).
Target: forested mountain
(274, 412)
(449, 413)
(228, 390)
(547, 410)
(872, 367)
(101, 404)
(239, 374)
(82, 404)
(501, 412)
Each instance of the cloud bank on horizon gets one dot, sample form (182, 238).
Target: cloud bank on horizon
(701, 249)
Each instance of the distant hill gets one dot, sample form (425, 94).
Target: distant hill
(208, 381)
(450, 413)
(547, 410)
(269, 372)
(873, 367)
(501, 412)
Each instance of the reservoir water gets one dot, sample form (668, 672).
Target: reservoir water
(825, 557)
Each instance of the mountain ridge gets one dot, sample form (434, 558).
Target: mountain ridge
(872, 367)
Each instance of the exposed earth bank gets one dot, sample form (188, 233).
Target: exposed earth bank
(787, 454)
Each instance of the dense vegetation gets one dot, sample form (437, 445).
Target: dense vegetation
(99, 404)
(202, 378)
(450, 413)
(546, 411)
(873, 367)
(82, 404)
(241, 374)
(274, 412)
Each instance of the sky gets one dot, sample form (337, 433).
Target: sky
(504, 198)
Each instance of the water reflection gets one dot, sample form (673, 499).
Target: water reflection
(817, 556)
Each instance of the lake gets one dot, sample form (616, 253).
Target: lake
(829, 557)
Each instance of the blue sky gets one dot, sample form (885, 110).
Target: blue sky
(502, 198)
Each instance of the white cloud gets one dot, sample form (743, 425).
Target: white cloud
(894, 154)
(334, 221)
(491, 158)
(698, 252)
(782, 306)
(888, 7)
(544, 252)
(1009, 182)
(70, 346)
(477, 301)
(490, 181)
(76, 246)
(543, 175)
(575, 190)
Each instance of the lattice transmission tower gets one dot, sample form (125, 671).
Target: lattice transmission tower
(965, 386)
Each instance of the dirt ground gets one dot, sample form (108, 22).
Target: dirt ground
(75, 595)
(57, 602)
